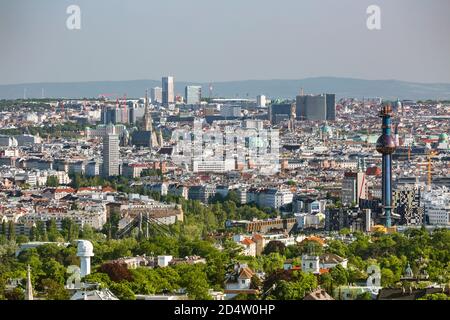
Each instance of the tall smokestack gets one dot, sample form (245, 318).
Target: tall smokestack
(386, 146)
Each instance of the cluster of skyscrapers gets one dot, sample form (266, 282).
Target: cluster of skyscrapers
(306, 107)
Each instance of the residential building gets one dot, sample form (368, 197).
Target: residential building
(156, 95)
(111, 155)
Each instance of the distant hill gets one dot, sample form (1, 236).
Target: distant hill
(343, 87)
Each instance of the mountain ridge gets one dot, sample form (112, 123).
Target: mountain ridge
(275, 88)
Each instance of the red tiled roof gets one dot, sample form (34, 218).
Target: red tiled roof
(257, 236)
(247, 241)
(323, 270)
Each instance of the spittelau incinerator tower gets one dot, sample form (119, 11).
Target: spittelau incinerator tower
(386, 146)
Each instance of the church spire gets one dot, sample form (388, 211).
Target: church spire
(147, 116)
(29, 287)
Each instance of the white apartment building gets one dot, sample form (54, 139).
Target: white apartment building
(219, 166)
(275, 198)
(437, 206)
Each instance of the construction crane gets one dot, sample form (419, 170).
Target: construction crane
(429, 165)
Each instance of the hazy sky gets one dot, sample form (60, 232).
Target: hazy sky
(218, 40)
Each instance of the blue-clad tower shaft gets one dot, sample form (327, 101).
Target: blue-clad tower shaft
(386, 146)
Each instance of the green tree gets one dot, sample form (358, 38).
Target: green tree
(87, 232)
(52, 181)
(435, 296)
(232, 196)
(11, 231)
(22, 239)
(364, 296)
(302, 283)
(98, 277)
(193, 278)
(387, 277)
(339, 275)
(70, 229)
(4, 228)
(41, 231)
(53, 233)
(274, 246)
(15, 294)
(122, 291)
(55, 271)
(54, 290)
(326, 282)
(272, 262)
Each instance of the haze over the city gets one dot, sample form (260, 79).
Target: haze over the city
(223, 40)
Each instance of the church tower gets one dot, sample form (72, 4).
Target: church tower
(29, 287)
(148, 126)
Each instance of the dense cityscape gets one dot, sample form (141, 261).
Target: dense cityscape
(191, 196)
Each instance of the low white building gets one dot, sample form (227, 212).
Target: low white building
(437, 206)
(163, 261)
(239, 282)
(219, 166)
(248, 245)
(272, 198)
(311, 264)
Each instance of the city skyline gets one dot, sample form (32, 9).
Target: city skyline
(313, 180)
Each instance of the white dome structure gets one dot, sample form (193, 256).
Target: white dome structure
(85, 248)
(85, 252)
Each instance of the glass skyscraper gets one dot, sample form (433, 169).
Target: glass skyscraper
(193, 94)
(168, 95)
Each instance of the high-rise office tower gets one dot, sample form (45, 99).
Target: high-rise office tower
(261, 101)
(193, 94)
(280, 112)
(386, 146)
(110, 154)
(354, 187)
(316, 107)
(168, 95)
(331, 106)
(156, 95)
